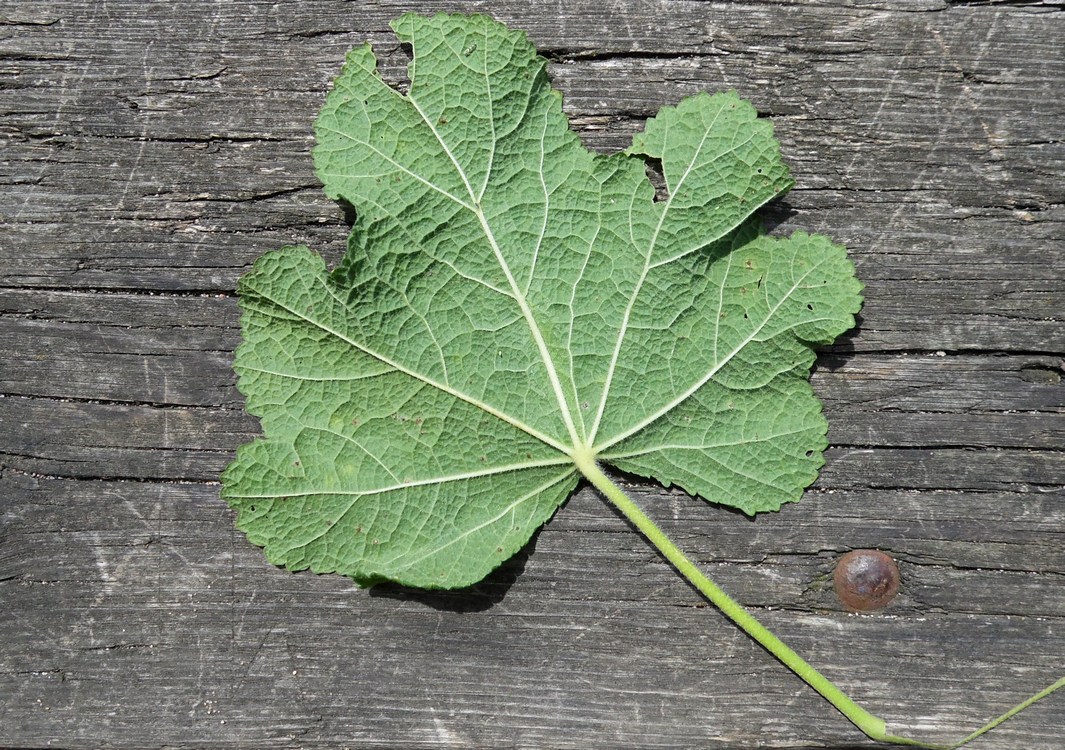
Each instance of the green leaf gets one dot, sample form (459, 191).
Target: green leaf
(511, 306)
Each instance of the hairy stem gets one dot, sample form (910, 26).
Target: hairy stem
(873, 726)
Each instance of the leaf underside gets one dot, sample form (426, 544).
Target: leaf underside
(509, 299)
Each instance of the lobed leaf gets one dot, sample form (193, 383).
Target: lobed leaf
(509, 301)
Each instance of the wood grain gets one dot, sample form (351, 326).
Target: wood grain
(151, 151)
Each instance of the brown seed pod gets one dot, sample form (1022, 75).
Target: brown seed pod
(866, 579)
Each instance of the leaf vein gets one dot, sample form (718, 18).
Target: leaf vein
(517, 423)
(511, 508)
(713, 371)
(410, 483)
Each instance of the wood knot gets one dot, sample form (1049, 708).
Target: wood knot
(866, 580)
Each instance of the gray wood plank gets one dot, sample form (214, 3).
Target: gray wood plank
(154, 596)
(152, 151)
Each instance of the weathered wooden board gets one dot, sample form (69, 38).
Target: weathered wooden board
(151, 151)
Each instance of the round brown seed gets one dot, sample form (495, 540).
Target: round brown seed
(866, 579)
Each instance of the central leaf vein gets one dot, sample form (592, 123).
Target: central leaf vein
(523, 303)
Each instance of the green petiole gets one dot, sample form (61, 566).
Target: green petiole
(873, 726)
